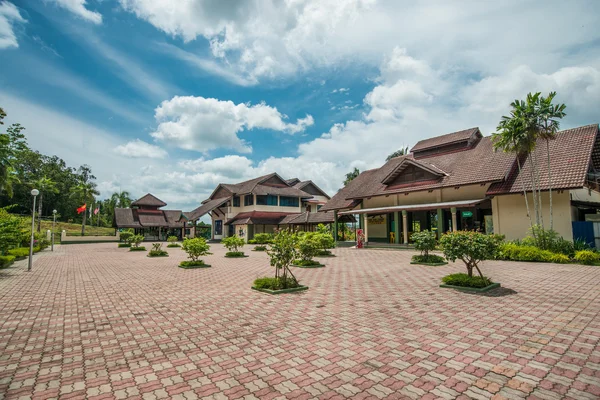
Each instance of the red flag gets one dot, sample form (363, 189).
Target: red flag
(96, 211)
(81, 209)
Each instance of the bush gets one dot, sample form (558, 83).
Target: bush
(465, 280)
(282, 252)
(233, 243)
(172, 239)
(308, 245)
(6, 261)
(193, 264)
(263, 238)
(126, 237)
(515, 252)
(260, 248)
(306, 263)
(324, 253)
(558, 258)
(275, 283)
(235, 254)
(429, 259)
(325, 241)
(138, 248)
(587, 257)
(196, 248)
(173, 245)
(471, 247)
(424, 241)
(136, 240)
(549, 240)
(252, 241)
(10, 231)
(19, 252)
(124, 244)
(157, 251)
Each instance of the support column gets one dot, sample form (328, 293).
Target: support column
(366, 229)
(159, 233)
(335, 226)
(396, 227)
(405, 226)
(440, 222)
(454, 226)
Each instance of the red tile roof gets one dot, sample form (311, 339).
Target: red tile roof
(444, 139)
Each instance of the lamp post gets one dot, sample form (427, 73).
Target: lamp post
(34, 193)
(53, 223)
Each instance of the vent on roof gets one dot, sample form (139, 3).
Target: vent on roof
(450, 143)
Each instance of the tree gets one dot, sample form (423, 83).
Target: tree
(282, 252)
(196, 248)
(10, 230)
(11, 144)
(233, 244)
(401, 152)
(44, 185)
(424, 242)
(85, 192)
(308, 246)
(351, 175)
(470, 247)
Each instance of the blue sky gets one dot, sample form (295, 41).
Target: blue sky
(172, 98)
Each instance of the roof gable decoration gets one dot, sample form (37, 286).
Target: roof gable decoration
(414, 167)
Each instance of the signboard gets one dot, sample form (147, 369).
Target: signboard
(360, 238)
(378, 220)
(467, 214)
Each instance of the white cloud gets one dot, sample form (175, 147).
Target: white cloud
(78, 8)
(203, 124)
(340, 90)
(140, 149)
(9, 14)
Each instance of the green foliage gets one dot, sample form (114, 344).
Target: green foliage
(306, 263)
(173, 245)
(308, 245)
(465, 280)
(193, 264)
(260, 248)
(325, 240)
(401, 152)
(139, 248)
(325, 229)
(136, 240)
(587, 257)
(282, 252)
(157, 251)
(233, 243)
(124, 244)
(263, 238)
(19, 252)
(558, 258)
(126, 236)
(424, 241)
(428, 259)
(470, 247)
(350, 176)
(172, 239)
(6, 261)
(548, 239)
(515, 252)
(196, 248)
(10, 230)
(235, 254)
(40, 240)
(275, 283)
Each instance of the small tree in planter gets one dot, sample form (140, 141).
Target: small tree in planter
(282, 251)
(195, 248)
(326, 242)
(261, 240)
(471, 248)
(125, 237)
(157, 251)
(234, 244)
(136, 240)
(308, 247)
(172, 241)
(424, 241)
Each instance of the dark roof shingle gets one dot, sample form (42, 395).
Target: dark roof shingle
(444, 139)
(149, 200)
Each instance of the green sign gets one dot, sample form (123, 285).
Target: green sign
(467, 214)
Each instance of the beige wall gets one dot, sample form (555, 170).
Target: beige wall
(378, 230)
(510, 214)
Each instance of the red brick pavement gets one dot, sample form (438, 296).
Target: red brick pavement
(97, 322)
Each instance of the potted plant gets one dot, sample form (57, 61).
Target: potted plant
(308, 247)
(425, 242)
(172, 241)
(471, 248)
(136, 240)
(282, 252)
(157, 251)
(234, 244)
(195, 248)
(125, 237)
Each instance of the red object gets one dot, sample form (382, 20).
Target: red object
(360, 238)
(81, 209)
(96, 211)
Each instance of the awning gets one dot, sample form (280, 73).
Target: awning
(414, 207)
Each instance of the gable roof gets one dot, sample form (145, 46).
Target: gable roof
(205, 208)
(140, 218)
(443, 140)
(259, 186)
(406, 161)
(149, 200)
(304, 184)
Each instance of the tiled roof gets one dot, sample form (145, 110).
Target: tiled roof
(205, 208)
(570, 155)
(149, 200)
(124, 218)
(258, 217)
(281, 191)
(135, 218)
(444, 139)
(174, 218)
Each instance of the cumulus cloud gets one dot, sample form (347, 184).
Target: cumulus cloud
(9, 15)
(78, 8)
(140, 149)
(203, 124)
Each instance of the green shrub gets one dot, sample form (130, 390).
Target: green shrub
(136, 240)
(275, 283)
(157, 251)
(233, 243)
(471, 247)
(126, 237)
(324, 253)
(124, 244)
(6, 261)
(263, 238)
(173, 245)
(558, 258)
(465, 280)
(193, 264)
(325, 241)
(172, 239)
(429, 259)
(11, 234)
(19, 252)
(306, 263)
(235, 254)
(282, 252)
(308, 245)
(515, 252)
(36, 249)
(587, 257)
(424, 241)
(260, 248)
(252, 241)
(138, 248)
(548, 239)
(196, 248)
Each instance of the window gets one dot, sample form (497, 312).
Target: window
(269, 200)
(248, 199)
(289, 201)
(218, 227)
(319, 207)
(236, 201)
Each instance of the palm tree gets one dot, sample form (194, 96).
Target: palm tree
(8, 178)
(85, 192)
(125, 199)
(548, 126)
(401, 152)
(44, 185)
(351, 175)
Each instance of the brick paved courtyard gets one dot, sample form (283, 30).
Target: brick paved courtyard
(94, 321)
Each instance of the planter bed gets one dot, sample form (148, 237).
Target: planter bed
(163, 255)
(281, 291)
(137, 249)
(472, 289)
(124, 245)
(227, 255)
(431, 264)
(187, 265)
(309, 266)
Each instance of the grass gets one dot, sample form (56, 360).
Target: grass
(75, 229)
(193, 264)
(274, 283)
(235, 254)
(464, 280)
(140, 248)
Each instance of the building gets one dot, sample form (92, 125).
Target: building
(457, 181)
(145, 217)
(263, 204)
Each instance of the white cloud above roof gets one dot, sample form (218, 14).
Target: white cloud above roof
(9, 15)
(139, 149)
(78, 8)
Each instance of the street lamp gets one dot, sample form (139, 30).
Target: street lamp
(34, 193)
(53, 223)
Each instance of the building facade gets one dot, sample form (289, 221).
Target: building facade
(459, 182)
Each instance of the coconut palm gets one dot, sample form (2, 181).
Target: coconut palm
(85, 192)
(44, 185)
(351, 175)
(401, 152)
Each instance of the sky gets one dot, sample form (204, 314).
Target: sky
(173, 98)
